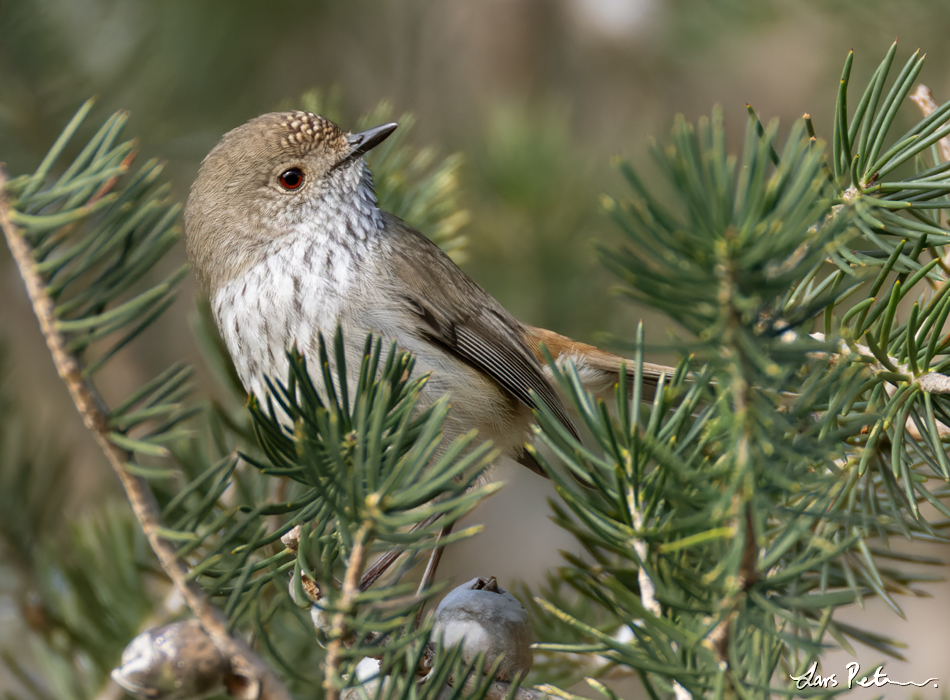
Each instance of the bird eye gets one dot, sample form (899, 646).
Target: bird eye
(291, 179)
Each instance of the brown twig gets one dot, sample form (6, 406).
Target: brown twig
(261, 682)
(348, 594)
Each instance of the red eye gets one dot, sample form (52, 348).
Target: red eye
(291, 179)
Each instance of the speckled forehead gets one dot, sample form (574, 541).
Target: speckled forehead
(305, 131)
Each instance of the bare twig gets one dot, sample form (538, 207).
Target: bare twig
(259, 680)
(923, 97)
(647, 589)
(934, 383)
(348, 594)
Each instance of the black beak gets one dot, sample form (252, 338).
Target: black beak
(369, 139)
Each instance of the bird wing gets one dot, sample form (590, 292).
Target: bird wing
(465, 320)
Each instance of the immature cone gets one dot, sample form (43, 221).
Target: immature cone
(486, 619)
(313, 599)
(175, 662)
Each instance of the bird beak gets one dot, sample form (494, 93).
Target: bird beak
(364, 141)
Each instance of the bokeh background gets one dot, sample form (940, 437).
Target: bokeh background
(538, 95)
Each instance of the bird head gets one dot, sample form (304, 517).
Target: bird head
(271, 177)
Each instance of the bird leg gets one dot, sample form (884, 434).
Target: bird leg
(381, 565)
(429, 574)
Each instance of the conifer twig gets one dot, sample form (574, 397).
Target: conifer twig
(932, 382)
(647, 589)
(259, 681)
(349, 593)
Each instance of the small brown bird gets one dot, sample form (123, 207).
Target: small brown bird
(285, 236)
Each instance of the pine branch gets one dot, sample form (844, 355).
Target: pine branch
(734, 517)
(245, 663)
(728, 518)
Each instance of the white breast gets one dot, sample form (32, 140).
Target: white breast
(297, 290)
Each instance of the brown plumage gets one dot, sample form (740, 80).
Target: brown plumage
(285, 236)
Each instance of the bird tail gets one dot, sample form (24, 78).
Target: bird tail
(598, 369)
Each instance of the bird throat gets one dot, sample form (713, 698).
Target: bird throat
(349, 206)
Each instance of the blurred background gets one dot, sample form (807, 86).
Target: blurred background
(538, 96)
